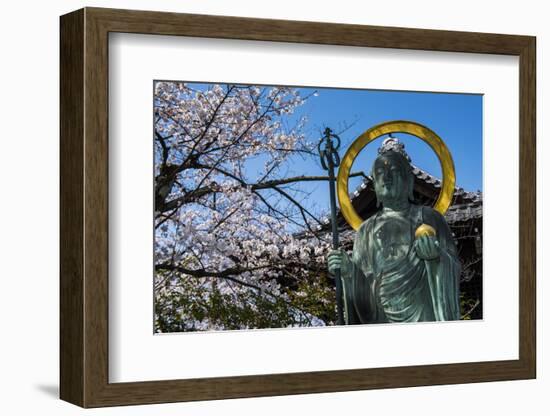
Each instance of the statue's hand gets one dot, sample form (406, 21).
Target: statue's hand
(339, 259)
(427, 247)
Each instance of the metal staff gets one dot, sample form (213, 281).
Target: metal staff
(329, 161)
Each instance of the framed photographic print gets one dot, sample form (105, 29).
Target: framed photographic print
(256, 207)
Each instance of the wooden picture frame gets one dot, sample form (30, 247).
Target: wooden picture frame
(84, 207)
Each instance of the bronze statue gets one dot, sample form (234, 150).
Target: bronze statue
(404, 266)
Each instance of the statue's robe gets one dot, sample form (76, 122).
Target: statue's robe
(410, 289)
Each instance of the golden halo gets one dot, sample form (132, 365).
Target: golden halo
(422, 132)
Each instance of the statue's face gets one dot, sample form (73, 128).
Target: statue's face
(390, 179)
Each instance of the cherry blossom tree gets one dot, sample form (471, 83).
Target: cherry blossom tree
(235, 247)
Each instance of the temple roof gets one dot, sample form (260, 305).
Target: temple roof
(423, 177)
(465, 204)
(464, 212)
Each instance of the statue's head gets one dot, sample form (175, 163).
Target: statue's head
(392, 173)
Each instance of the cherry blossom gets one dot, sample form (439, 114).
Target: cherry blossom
(235, 247)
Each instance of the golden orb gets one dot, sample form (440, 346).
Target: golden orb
(423, 230)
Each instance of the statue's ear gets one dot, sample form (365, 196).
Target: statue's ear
(411, 188)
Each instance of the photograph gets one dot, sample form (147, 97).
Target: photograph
(252, 223)
(323, 203)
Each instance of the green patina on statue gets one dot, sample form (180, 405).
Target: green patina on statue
(394, 276)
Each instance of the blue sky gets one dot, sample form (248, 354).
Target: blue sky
(456, 118)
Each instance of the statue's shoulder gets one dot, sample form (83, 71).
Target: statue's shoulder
(365, 225)
(368, 221)
(432, 217)
(428, 212)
